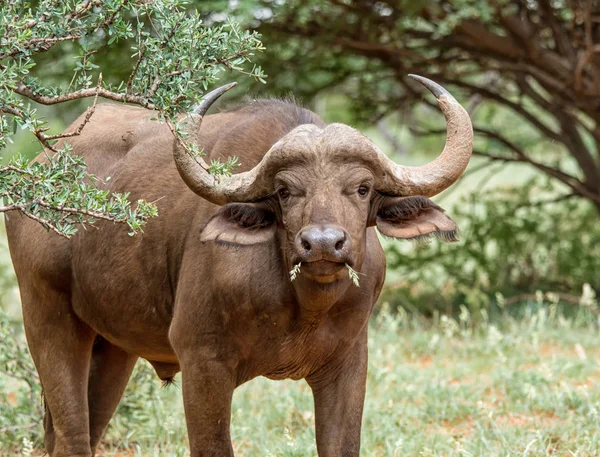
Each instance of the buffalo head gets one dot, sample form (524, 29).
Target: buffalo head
(318, 189)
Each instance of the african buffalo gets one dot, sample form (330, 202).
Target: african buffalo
(206, 289)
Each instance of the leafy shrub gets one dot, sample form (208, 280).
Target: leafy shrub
(510, 247)
(140, 415)
(20, 391)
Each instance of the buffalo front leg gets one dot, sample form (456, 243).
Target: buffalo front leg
(110, 370)
(61, 347)
(339, 394)
(207, 391)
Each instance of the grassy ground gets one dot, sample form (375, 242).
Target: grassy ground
(527, 387)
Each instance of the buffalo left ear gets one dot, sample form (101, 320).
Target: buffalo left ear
(411, 218)
(241, 224)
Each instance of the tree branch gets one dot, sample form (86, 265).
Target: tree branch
(570, 181)
(49, 42)
(44, 222)
(26, 91)
(547, 131)
(544, 202)
(90, 111)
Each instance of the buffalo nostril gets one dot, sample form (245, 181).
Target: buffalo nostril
(305, 245)
(339, 245)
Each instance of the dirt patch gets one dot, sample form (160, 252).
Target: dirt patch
(424, 361)
(543, 419)
(460, 429)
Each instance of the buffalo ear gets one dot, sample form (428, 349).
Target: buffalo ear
(241, 224)
(413, 218)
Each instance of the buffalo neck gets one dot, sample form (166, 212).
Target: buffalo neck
(316, 299)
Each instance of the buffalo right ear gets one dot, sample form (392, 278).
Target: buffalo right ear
(414, 218)
(241, 224)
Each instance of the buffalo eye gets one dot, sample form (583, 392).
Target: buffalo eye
(363, 191)
(283, 193)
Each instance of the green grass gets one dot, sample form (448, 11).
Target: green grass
(449, 388)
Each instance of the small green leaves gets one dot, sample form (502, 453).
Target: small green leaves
(61, 194)
(175, 59)
(295, 271)
(218, 168)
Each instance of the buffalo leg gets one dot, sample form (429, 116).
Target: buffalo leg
(207, 392)
(61, 347)
(339, 395)
(110, 370)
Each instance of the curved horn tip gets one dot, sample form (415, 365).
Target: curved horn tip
(211, 97)
(433, 87)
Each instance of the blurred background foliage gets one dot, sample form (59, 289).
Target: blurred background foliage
(528, 73)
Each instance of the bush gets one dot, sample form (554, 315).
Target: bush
(141, 413)
(510, 248)
(20, 391)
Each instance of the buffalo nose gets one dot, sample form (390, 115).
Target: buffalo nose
(323, 243)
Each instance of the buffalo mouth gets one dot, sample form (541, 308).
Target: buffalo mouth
(322, 268)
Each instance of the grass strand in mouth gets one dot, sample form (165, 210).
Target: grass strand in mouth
(353, 275)
(295, 271)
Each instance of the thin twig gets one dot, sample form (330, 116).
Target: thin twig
(178, 138)
(90, 111)
(536, 203)
(467, 173)
(570, 181)
(138, 62)
(83, 212)
(44, 222)
(48, 42)
(15, 169)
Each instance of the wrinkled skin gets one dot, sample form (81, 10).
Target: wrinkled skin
(205, 289)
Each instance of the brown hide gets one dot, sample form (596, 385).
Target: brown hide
(216, 303)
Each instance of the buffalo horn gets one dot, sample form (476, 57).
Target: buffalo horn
(391, 178)
(432, 178)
